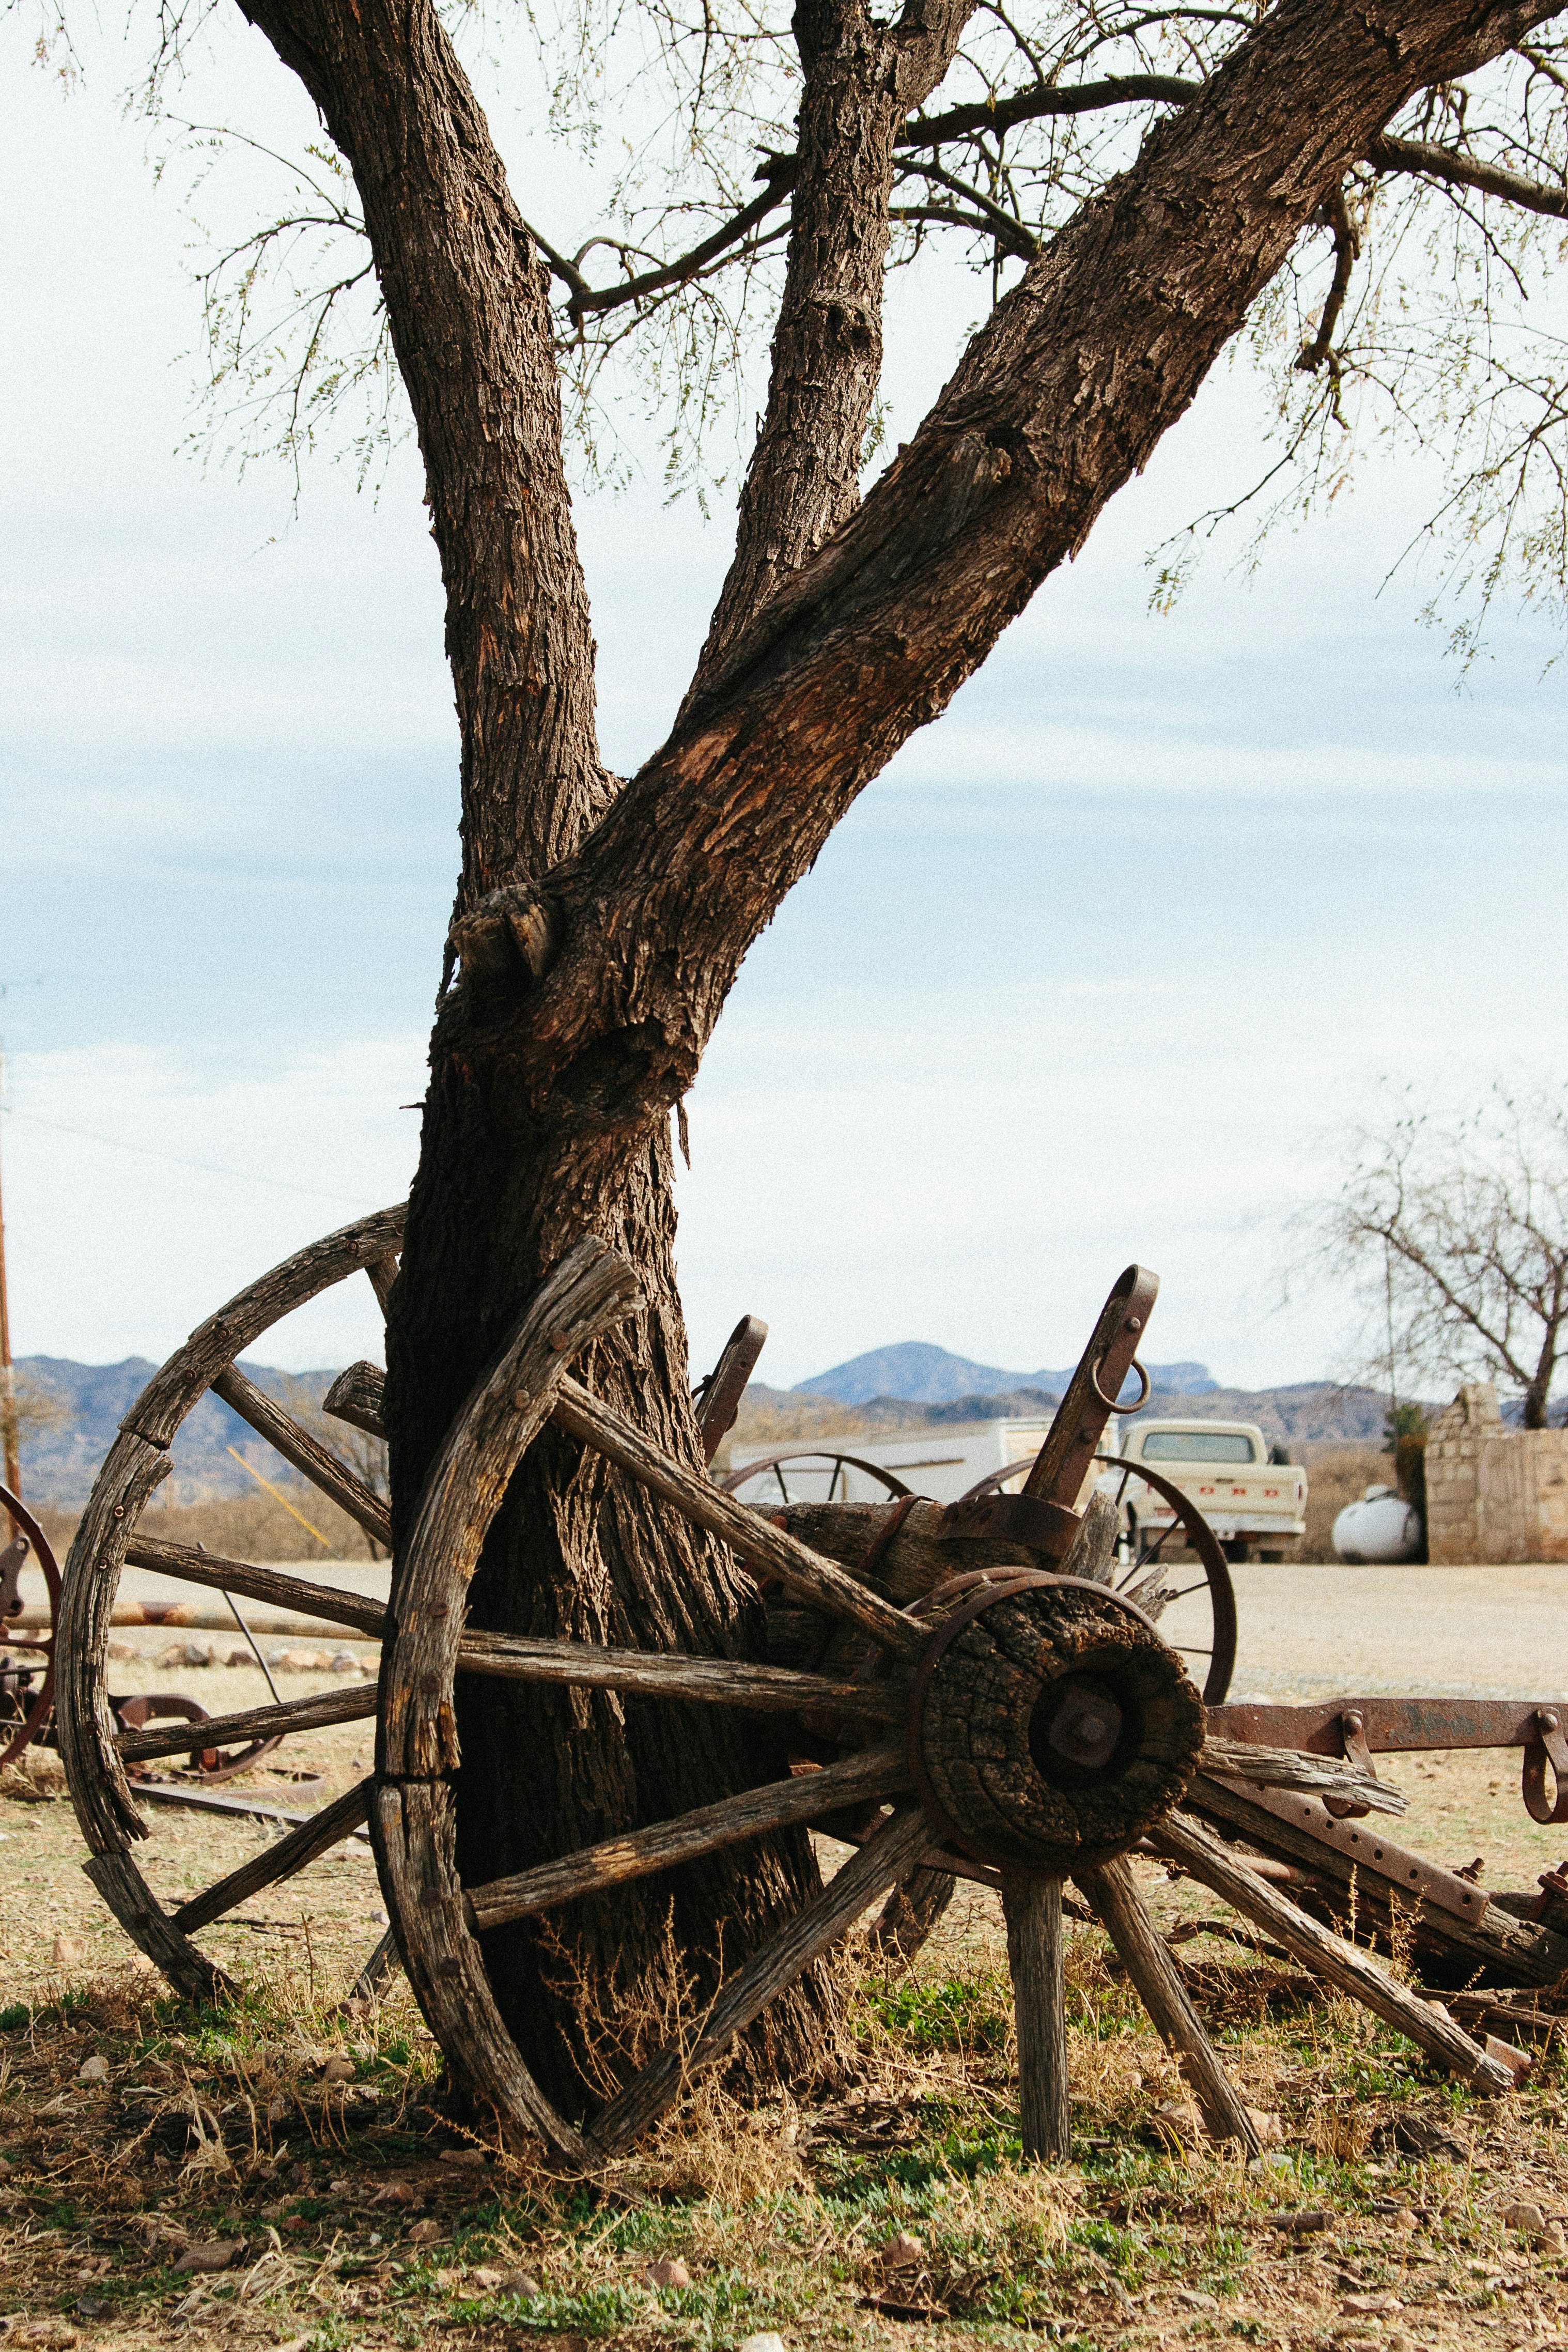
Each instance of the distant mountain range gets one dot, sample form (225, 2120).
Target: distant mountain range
(922, 1374)
(911, 1386)
(60, 1464)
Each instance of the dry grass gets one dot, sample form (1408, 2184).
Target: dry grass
(312, 2149)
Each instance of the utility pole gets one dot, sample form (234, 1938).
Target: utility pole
(7, 1377)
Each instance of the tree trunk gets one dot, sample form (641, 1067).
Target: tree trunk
(581, 1551)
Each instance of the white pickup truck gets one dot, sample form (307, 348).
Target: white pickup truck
(1254, 1501)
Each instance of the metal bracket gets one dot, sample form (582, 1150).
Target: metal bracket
(1548, 1747)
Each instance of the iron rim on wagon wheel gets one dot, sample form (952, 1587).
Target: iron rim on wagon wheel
(97, 1746)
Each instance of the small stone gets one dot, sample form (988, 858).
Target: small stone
(1195, 2300)
(1369, 2306)
(276, 2110)
(67, 1951)
(1526, 2218)
(1552, 2240)
(1177, 2119)
(239, 1658)
(216, 2255)
(94, 2307)
(902, 2249)
(338, 2068)
(93, 2070)
(343, 1662)
(424, 2233)
(119, 1649)
(666, 2272)
(1270, 2131)
(5, 2168)
(300, 1662)
(767, 2342)
(522, 2284)
(462, 2156)
(275, 2211)
(1405, 2220)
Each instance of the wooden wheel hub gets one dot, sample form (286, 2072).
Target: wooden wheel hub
(1050, 1726)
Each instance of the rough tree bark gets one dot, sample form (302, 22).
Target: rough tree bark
(599, 929)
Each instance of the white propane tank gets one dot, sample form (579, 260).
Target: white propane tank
(1381, 1527)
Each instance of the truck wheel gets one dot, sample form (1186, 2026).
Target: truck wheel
(1236, 1550)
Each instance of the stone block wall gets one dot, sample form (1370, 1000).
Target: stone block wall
(1494, 1492)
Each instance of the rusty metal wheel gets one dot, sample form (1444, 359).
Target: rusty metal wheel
(104, 1741)
(24, 1710)
(1156, 1583)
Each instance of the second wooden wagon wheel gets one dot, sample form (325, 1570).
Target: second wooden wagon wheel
(100, 1746)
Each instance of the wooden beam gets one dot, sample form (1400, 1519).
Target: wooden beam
(778, 1804)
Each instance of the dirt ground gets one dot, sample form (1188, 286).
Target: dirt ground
(284, 2174)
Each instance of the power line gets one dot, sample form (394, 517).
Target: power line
(202, 1167)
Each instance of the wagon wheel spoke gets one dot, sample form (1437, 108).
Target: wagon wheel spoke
(887, 1855)
(721, 1682)
(1113, 1892)
(322, 1467)
(382, 1272)
(781, 1804)
(805, 1575)
(324, 1830)
(1031, 1909)
(254, 1723)
(297, 1593)
(377, 1969)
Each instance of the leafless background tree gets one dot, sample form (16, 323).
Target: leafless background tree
(1455, 1234)
(1373, 191)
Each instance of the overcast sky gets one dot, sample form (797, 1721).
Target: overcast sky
(1096, 971)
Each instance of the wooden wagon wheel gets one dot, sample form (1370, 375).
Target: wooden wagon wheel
(24, 1712)
(796, 1457)
(99, 1748)
(1151, 1584)
(1036, 1721)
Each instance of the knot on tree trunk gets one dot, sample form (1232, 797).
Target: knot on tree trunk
(510, 938)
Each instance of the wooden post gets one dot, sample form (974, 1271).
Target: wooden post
(1113, 1892)
(1033, 1908)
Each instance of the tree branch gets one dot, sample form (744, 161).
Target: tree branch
(1387, 154)
(1062, 396)
(861, 77)
(470, 321)
(1034, 105)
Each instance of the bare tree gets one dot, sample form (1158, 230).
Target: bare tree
(1138, 186)
(1458, 1236)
